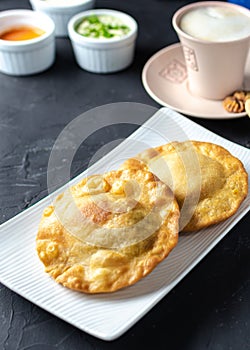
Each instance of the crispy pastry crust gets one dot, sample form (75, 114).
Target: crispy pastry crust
(212, 172)
(93, 268)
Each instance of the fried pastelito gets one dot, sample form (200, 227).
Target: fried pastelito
(208, 181)
(108, 231)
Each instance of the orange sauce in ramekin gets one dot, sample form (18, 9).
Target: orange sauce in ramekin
(22, 33)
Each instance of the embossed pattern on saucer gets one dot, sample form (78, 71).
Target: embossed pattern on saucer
(164, 77)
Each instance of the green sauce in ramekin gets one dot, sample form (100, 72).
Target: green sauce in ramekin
(102, 27)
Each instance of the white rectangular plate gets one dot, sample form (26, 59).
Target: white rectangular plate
(107, 316)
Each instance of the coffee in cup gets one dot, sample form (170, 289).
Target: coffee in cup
(215, 38)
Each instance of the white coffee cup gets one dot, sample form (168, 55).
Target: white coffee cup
(215, 52)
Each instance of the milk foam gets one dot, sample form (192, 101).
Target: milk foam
(215, 24)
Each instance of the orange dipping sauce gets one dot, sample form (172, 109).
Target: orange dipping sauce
(22, 33)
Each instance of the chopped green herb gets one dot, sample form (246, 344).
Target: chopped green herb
(102, 26)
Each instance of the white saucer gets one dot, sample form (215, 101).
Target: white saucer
(164, 77)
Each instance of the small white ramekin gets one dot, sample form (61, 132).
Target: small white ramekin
(61, 13)
(103, 55)
(26, 57)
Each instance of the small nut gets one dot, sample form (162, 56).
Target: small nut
(233, 105)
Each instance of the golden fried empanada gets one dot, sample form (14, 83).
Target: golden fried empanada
(108, 231)
(208, 181)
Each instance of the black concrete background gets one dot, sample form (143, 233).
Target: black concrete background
(210, 308)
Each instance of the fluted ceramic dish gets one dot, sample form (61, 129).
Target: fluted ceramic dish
(61, 11)
(101, 55)
(108, 316)
(31, 56)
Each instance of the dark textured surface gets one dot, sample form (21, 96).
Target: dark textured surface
(210, 308)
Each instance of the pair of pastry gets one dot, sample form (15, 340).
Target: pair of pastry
(108, 231)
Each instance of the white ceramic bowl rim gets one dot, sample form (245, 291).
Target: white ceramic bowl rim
(27, 14)
(48, 5)
(179, 13)
(127, 19)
